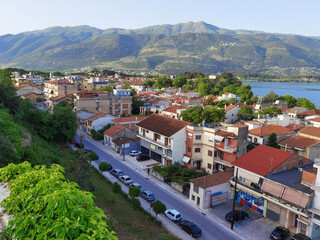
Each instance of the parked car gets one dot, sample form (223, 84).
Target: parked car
(147, 195)
(300, 236)
(109, 166)
(237, 215)
(143, 158)
(135, 185)
(125, 179)
(116, 172)
(173, 215)
(191, 228)
(135, 153)
(280, 233)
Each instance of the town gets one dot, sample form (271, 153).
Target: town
(203, 145)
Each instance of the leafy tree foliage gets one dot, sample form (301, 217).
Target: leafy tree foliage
(214, 114)
(8, 93)
(103, 167)
(8, 151)
(134, 192)
(163, 82)
(271, 97)
(148, 83)
(92, 156)
(116, 188)
(245, 113)
(305, 103)
(204, 89)
(106, 88)
(159, 207)
(178, 82)
(291, 100)
(98, 135)
(272, 111)
(193, 115)
(136, 203)
(46, 206)
(272, 140)
(244, 92)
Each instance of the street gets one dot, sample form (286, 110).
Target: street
(210, 230)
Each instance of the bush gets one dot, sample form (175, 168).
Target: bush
(136, 203)
(134, 192)
(103, 167)
(92, 156)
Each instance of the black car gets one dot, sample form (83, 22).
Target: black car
(143, 158)
(300, 236)
(280, 233)
(237, 215)
(109, 167)
(190, 228)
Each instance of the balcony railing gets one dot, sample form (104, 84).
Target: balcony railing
(156, 142)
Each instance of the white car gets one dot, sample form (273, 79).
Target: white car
(125, 179)
(134, 153)
(173, 215)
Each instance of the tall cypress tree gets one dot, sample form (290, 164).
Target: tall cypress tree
(272, 140)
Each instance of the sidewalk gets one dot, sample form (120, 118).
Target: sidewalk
(258, 229)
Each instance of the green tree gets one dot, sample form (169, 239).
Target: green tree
(163, 82)
(232, 88)
(8, 151)
(253, 99)
(271, 97)
(136, 204)
(148, 83)
(92, 156)
(65, 121)
(107, 89)
(305, 103)
(272, 111)
(193, 115)
(103, 167)
(159, 207)
(291, 100)
(272, 140)
(178, 82)
(204, 89)
(190, 85)
(134, 192)
(244, 92)
(8, 93)
(214, 114)
(245, 113)
(116, 189)
(58, 74)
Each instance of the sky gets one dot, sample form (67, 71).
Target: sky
(273, 16)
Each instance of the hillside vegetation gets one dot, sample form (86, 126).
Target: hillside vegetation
(167, 49)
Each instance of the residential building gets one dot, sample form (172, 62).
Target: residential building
(231, 113)
(214, 147)
(295, 127)
(55, 100)
(312, 178)
(82, 116)
(208, 191)
(306, 143)
(98, 121)
(163, 138)
(173, 111)
(308, 113)
(315, 122)
(269, 182)
(260, 135)
(292, 112)
(227, 96)
(59, 87)
(128, 120)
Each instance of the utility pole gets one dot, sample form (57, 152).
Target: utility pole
(123, 158)
(234, 198)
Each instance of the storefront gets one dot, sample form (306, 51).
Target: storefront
(251, 201)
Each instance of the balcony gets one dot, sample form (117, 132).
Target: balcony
(156, 142)
(228, 148)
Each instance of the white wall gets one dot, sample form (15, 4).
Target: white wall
(178, 145)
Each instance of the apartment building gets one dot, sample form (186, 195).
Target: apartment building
(59, 87)
(163, 138)
(97, 101)
(214, 148)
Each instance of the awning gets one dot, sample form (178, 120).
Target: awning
(218, 138)
(186, 159)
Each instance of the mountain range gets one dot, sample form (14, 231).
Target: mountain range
(166, 49)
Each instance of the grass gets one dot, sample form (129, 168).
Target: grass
(123, 219)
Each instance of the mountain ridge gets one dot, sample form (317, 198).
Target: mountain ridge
(169, 49)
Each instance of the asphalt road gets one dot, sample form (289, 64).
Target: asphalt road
(210, 230)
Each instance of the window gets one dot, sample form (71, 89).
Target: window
(220, 167)
(242, 179)
(209, 165)
(198, 137)
(189, 149)
(197, 150)
(255, 140)
(196, 188)
(316, 216)
(303, 228)
(156, 137)
(189, 135)
(193, 197)
(209, 153)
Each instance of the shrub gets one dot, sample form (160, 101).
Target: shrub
(134, 192)
(136, 203)
(103, 167)
(92, 156)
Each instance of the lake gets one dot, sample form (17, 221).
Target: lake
(310, 91)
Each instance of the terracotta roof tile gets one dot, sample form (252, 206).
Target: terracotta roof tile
(128, 119)
(262, 160)
(113, 130)
(295, 127)
(123, 140)
(299, 142)
(315, 119)
(174, 108)
(312, 131)
(223, 133)
(163, 125)
(310, 112)
(212, 180)
(228, 108)
(267, 130)
(95, 117)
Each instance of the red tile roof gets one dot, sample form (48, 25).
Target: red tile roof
(212, 180)
(311, 131)
(267, 130)
(223, 133)
(113, 130)
(315, 119)
(262, 160)
(123, 140)
(299, 142)
(174, 108)
(128, 119)
(309, 112)
(229, 107)
(162, 125)
(95, 117)
(295, 127)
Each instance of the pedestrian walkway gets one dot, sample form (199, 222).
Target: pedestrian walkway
(259, 229)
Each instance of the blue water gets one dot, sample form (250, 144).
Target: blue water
(310, 91)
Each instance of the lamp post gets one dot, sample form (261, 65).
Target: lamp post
(234, 198)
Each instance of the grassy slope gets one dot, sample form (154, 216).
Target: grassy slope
(124, 220)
